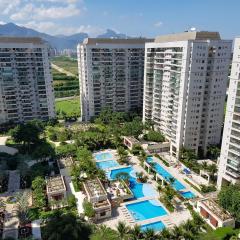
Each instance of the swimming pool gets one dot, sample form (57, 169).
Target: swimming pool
(138, 189)
(103, 156)
(146, 210)
(156, 226)
(164, 173)
(188, 194)
(107, 164)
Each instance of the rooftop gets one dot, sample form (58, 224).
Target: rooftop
(65, 162)
(96, 41)
(212, 205)
(185, 36)
(94, 188)
(133, 140)
(33, 40)
(55, 184)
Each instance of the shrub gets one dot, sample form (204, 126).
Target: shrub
(154, 136)
(88, 209)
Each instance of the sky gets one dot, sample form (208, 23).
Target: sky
(146, 18)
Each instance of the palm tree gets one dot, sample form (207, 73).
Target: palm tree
(123, 230)
(149, 234)
(135, 233)
(104, 233)
(177, 233)
(165, 234)
(159, 188)
(22, 207)
(66, 227)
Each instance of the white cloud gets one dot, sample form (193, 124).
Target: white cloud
(2, 23)
(7, 6)
(31, 12)
(158, 24)
(55, 29)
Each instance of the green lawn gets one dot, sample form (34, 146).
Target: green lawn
(66, 63)
(70, 107)
(218, 234)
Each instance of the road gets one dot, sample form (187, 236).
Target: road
(63, 70)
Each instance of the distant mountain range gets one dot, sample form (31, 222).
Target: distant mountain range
(59, 42)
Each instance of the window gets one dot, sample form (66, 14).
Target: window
(103, 214)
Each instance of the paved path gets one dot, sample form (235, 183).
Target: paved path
(14, 181)
(11, 222)
(63, 70)
(66, 98)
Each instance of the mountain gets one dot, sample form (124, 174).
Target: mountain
(59, 42)
(111, 34)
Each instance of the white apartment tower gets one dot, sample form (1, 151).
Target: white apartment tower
(185, 85)
(111, 73)
(26, 90)
(229, 163)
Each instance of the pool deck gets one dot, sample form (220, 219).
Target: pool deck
(179, 176)
(122, 214)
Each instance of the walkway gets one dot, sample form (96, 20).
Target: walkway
(13, 181)
(6, 149)
(11, 222)
(63, 70)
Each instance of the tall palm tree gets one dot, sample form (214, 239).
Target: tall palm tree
(66, 227)
(104, 233)
(177, 233)
(22, 207)
(165, 234)
(135, 233)
(149, 234)
(123, 230)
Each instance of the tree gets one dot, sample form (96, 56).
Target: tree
(136, 233)
(213, 152)
(66, 227)
(28, 133)
(104, 233)
(22, 207)
(150, 234)
(229, 199)
(122, 175)
(123, 230)
(38, 186)
(154, 136)
(88, 209)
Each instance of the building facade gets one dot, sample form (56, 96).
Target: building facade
(229, 163)
(111, 75)
(185, 85)
(26, 90)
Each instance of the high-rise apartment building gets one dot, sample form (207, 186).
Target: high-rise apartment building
(229, 163)
(185, 85)
(111, 75)
(26, 90)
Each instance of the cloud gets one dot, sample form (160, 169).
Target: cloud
(158, 24)
(2, 23)
(31, 12)
(55, 29)
(7, 6)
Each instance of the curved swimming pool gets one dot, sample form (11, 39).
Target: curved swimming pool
(138, 189)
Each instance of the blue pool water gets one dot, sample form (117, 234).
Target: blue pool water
(146, 210)
(103, 156)
(161, 171)
(107, 164)
(138, 189)
(156, 226)
(188, 195)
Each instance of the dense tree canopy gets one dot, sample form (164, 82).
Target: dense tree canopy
(66, 227)
(229, 199)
